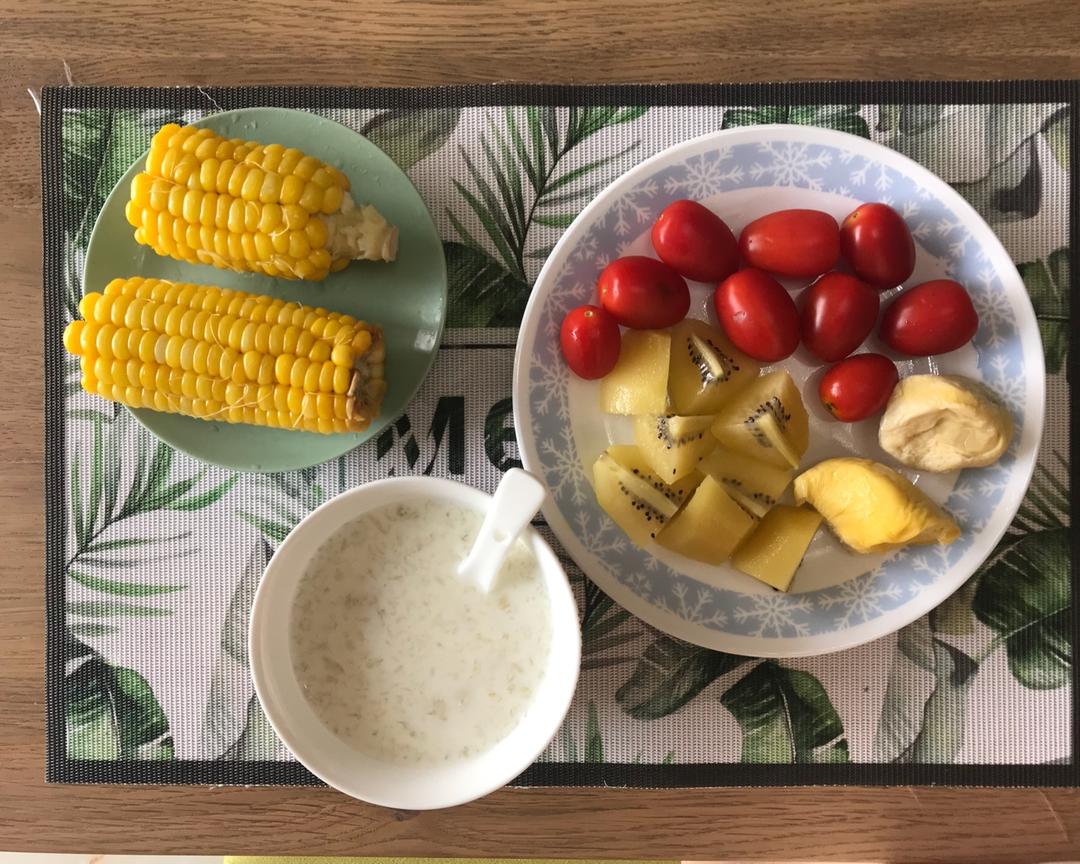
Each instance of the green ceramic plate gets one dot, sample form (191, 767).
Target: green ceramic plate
(407, 297)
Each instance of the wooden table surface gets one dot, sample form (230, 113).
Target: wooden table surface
(418, 42)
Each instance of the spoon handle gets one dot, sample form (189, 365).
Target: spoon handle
(515, 502)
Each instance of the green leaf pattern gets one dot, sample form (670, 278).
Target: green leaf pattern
(785, 716)
(1047, 281)
(669, 675)
(163, 554)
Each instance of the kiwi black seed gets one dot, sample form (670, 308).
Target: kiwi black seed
(651, 513)
(664, 433)
(714, 366)
(737, 485)
(773, 406)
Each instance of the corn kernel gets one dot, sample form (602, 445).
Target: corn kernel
(296, 218)
(283, 368)
(187, 385)
(315, 231)
(229, 359)
(247, 246)
(270, 189)
(289, 339)
(217, 389)
(203, 386)
(297, 371)
(290, 158)
(298, 246)
(281, 398)
(235, 221)
(342, 355)
(235, 337)
(200, 356)
(280, 241)
(253, 181)
(73, 335)
(311, 377)
(221, 242)
(312, 197)
(172, 351)
(292, 187)
(236, 303)
(184, 169)
(264, 398)
(342, 377)
(266, 374)
(332, 200)
(264, 248)
(305, 343)
(251, 363)
(306, 167)
(272, 154)
(168, 163)
(237, 178)
(147, 375)
(187, 354)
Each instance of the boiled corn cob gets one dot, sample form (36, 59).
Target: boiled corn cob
(240, 205)
(217, 354)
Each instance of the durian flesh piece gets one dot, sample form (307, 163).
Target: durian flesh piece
(944, 423)
(872, 508)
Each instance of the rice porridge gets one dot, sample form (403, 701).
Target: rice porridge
(400, 658)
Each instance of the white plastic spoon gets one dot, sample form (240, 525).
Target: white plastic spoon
(514, 504)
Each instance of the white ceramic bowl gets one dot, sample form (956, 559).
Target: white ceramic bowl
(365, 777)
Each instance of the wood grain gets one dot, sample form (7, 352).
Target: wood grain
(421, 42)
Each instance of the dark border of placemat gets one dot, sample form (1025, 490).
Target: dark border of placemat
(60, 769)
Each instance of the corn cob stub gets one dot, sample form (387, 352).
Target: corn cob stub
(244, 206)
(217, 354)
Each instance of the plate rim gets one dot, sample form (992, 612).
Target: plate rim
(349, 440)
(669, 623)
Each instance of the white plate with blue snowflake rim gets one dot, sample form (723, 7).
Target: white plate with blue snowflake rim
(838, 599)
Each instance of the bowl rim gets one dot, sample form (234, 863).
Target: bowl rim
(565, 626)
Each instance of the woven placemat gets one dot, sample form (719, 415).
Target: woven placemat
(153, 558)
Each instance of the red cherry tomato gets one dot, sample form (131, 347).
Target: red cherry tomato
(590, 341)
(933, 318)
(838, 313)
(877, 244)
(695, 241)
(858, 387)
(643, 293)
(797, 243)
(758, 315)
